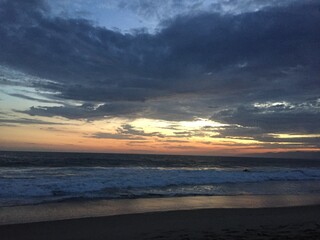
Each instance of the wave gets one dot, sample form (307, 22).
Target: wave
(70, 181)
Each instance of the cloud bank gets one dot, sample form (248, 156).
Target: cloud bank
(257, 70)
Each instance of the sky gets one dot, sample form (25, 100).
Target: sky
(218, 77)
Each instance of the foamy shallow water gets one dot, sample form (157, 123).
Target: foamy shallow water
(74, 210)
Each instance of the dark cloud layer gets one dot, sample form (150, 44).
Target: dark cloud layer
(223, 63)
(169, 8)
(280, 117)
(127, 132)
(26, 121)
(23, 96)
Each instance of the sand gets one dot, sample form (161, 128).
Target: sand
(301, 222)
(102, 208)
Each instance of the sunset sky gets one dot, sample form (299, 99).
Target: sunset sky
(214, 77)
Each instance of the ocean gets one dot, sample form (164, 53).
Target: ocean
(42, 177)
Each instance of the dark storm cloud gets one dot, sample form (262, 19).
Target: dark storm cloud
(222, 63)
(163, 109)
(208, 48)
(89, 111)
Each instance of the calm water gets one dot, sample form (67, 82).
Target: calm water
(29, 177)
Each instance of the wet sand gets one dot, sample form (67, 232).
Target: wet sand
(255, 223)
(233, 217)
(103, 208)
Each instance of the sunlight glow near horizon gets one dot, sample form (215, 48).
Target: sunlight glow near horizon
(197, 123)
(200, 136)
(78, 137)
(296, 135)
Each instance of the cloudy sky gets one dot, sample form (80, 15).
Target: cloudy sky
(213, 77)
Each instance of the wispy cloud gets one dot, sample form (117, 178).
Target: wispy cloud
(27, 121)
(115, 136)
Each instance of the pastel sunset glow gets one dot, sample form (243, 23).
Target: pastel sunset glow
(225, 78)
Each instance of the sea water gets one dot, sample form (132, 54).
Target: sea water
(34, 177)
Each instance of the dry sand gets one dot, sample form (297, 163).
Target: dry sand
(246, 223)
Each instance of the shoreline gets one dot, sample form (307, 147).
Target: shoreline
(104, 208)
(300, 222)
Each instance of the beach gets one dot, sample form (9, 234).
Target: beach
(255, 223)
(114, 196)
(219, 217)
